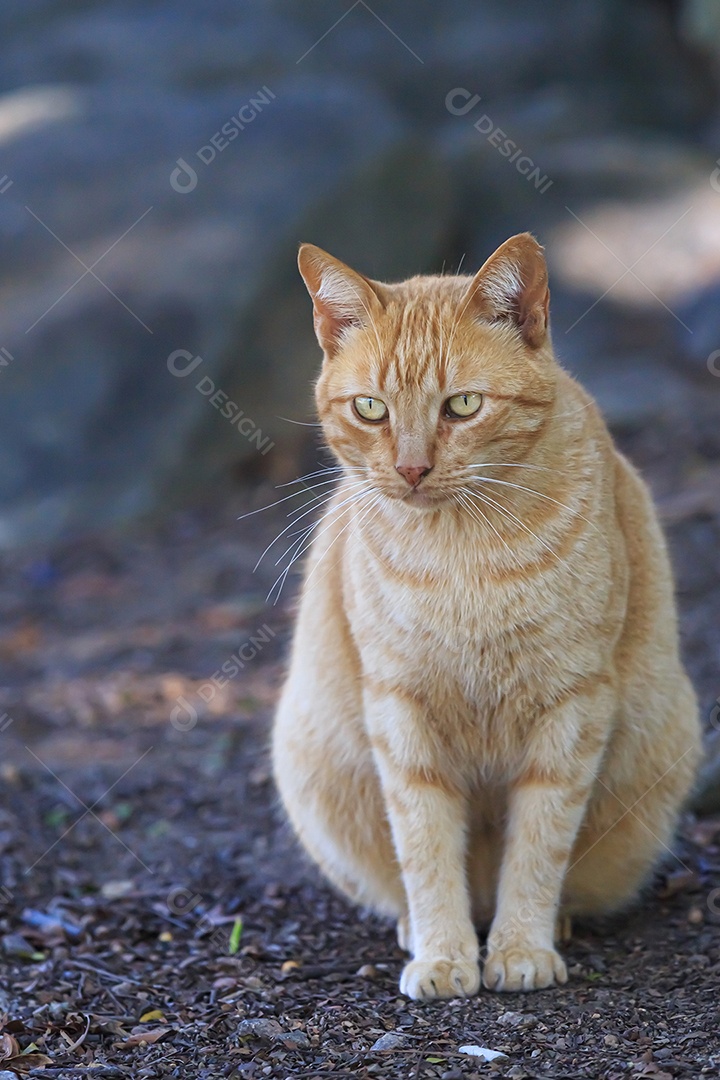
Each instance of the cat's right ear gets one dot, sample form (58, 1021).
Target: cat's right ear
(341, 297)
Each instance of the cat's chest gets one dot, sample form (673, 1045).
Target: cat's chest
(452, 630)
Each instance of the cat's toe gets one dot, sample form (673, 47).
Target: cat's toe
(424, 980)
(523, 968)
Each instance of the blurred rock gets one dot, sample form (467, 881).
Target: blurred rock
(94, 428)
(621, 356)
(701, 348)
(160, 165)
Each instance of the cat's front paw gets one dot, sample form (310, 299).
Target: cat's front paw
(523, 967)
(424, 980)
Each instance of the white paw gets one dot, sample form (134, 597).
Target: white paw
(523, 967)
(424, 980)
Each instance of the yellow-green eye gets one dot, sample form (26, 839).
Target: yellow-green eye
(463, 405)
(370, 408)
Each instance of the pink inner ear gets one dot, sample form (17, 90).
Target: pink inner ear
(329, 327)
(533, 315)
(512, 286)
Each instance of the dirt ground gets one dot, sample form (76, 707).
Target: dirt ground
(156, 918)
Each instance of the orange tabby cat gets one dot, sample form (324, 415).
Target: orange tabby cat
(485, 717)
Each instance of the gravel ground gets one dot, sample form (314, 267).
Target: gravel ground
(156, 918)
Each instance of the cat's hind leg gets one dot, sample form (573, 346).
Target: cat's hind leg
(633, 811)
(326, 776)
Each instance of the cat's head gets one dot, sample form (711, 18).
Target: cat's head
(424, 379)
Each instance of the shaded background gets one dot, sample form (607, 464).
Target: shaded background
(115, 256)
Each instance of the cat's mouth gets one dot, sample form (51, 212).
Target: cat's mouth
(421, 498)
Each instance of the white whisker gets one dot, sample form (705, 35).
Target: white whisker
(540, 495)
(587, 405)
(378, 355)
(316, 523)
(336, 514)
(502, 509)
(471, 508)
(300, 423)
(336, 469)
(285, 498)
(377, 499)
(507, 465)
(513, 517)
(308, 510)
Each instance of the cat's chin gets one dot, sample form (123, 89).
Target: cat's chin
(423, 500)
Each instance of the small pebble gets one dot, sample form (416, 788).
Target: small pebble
(16, 945)
(482, 1052)
(114, 890)
(389, 1041)
(260, 1027)
(294, 1040)
(695, 916)
(517, 1019)
(367, 971)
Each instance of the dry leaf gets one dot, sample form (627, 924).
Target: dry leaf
(24, 1063)
(148, 1035)
(9, 1047)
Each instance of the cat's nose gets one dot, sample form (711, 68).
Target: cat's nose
(413, 473)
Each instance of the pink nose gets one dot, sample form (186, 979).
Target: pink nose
(413, 473)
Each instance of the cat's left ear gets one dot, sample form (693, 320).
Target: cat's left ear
(341, 297)
(512, 287)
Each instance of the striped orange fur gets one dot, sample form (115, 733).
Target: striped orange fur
(485, 718)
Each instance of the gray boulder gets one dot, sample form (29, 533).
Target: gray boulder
(161, 163)
(192, 260)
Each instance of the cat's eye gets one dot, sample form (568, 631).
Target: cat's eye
(460, 406)
(370, 408)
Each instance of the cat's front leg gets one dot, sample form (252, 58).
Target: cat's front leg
(546, 807)
(428, 820)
